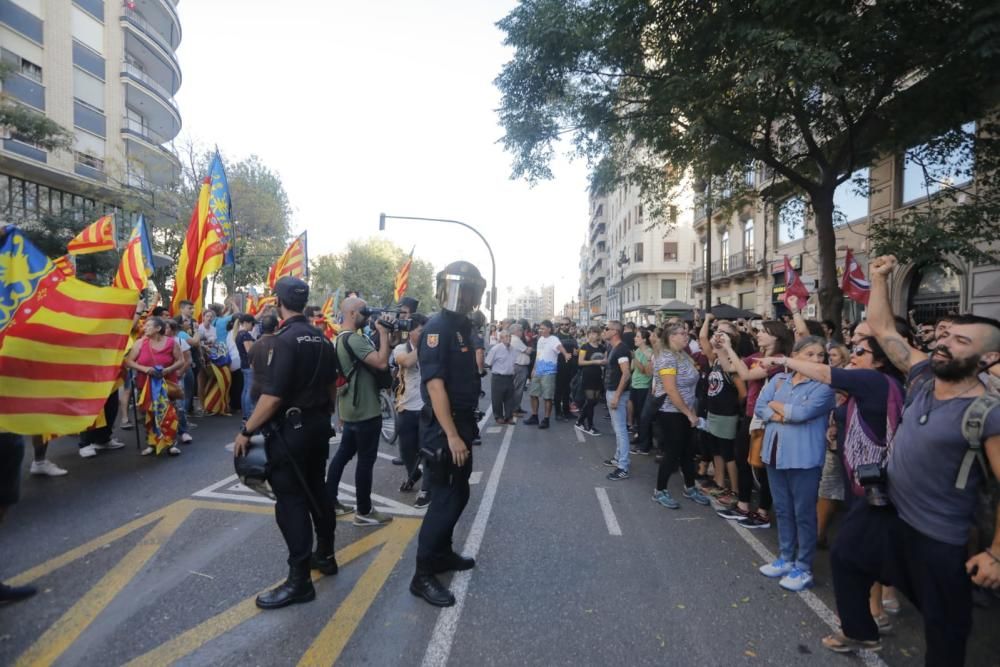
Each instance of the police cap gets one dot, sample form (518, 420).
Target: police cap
(292, 292)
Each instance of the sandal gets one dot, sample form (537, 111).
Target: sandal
(884, 623)
(838, 643)
(173, 451)
(890, 605)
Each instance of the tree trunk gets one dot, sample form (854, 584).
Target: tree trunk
(831, 298)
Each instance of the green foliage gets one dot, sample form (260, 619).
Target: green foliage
(325, 276)
(652, 92)
(29, 125)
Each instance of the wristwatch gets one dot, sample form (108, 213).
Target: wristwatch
(245, 433)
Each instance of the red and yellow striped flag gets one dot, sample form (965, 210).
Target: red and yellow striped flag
(201, 255)
(403, 278)
(137, 260)
(293, 262)
(96, 237)
(62, 341)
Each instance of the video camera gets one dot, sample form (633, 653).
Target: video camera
(392, 323)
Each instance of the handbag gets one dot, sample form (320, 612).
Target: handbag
(174, 391)
(757, 436)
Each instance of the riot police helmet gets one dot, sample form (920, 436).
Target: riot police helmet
(460, 287)
(251, 468)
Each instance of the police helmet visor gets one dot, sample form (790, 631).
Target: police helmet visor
(460, 294)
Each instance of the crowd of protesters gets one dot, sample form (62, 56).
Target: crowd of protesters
(791, 422)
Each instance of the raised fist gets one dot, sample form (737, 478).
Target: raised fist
(882, 266)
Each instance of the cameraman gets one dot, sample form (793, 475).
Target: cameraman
(918, 544)
(359, 409)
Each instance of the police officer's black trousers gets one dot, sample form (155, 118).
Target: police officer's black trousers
(449, 496)
(875, 545)
(296, 515)
(99, 436)
(564, 376)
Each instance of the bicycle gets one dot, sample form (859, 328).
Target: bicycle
(387, 405)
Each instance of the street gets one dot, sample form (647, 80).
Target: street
(152, 561)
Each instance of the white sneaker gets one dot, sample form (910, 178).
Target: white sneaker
(147, 451)
(47, 468)
(88, 452)
(113, 443)
(186, 438)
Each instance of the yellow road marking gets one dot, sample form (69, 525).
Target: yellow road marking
(395, 537)
(327, 647)
(68, 628)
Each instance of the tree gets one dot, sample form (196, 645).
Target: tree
(325, 276)
(656, 91)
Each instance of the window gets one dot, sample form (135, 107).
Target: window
(850, 199)
(928, 169)
(31, 70)
(791, 220)
(638, 291)
(748, 175)
(748, 236)
(669, 251)
(637, 256)
(668, 289)
(724, 251)
(89, 161)
(704, 254)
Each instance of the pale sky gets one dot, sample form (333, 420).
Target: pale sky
(381, 106)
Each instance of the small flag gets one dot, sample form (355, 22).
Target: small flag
(793, 285)
(403, 277)
(854, 285)
(293, 262)
(221, 206)
(137, 259)
(96, 237)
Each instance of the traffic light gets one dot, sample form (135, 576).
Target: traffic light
(381, 222)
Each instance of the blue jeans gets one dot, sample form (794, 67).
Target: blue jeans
(795, 492)
(619, 422)
(246, 405)
(182, 417)
(361, 439)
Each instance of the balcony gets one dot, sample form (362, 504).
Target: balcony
(598, 233)
(742, 264)
(152, 89)
(719, 267)
(698, 276)
(160, 43)
(143, 144)
(25, 89)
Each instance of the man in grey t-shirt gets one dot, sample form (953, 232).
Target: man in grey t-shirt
(919, 544)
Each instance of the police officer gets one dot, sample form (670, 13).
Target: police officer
(450, 388)
(293, 412)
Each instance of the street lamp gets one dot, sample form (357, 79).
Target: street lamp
(622, 261)
(493, 289)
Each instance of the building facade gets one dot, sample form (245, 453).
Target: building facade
(594, 282)
(108, 72)
(748, 247)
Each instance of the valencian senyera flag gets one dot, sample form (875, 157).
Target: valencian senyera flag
(137, 260)
(96, 237)
(62, 341)
(403, 278)
(161, 417)
(327, 320)
(221, 206)
(201, 254)
(293, 262)
(256, 304)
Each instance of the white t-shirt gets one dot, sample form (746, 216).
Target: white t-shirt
(547, 355)
(410, 400)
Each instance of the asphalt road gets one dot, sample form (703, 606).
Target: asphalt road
(157, 561)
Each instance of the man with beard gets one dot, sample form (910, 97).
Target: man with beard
(917, 542)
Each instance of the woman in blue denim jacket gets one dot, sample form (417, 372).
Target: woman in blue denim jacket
(796, 410)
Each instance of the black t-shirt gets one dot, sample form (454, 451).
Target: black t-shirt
(722, 397)
(569, 344)
(243, 337)
(614, 374)
(447, 352)
(592, 374)
(300, 364)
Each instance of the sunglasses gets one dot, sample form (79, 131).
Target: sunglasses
(860, 351)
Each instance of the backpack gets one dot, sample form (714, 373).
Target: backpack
(383, 378)
(973, 421)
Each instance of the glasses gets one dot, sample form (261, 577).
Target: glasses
(860, 351)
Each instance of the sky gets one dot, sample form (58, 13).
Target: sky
(381, 106)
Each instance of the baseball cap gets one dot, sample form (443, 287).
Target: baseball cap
(293, 292)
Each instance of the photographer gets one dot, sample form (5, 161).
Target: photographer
(918, 544)
(359, 409)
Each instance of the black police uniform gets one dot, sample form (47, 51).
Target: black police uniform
(447, 352)
(300, 370)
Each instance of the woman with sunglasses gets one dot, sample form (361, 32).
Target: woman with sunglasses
(865, 424)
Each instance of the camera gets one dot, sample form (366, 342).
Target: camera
(873, 478)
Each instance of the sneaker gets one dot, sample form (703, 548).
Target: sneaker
(544, 423)
(126, 426)
(422, 501)
(707, 484)
(340, 509)
(754, 521)
(633, 449)
(618, 475)
(113, 443)
(591, 431)
(373, 518)
(580, 427)
(778, 568)
(693, 494)
(88, 452)
(796, 580)
(147, 451)
(734, 513)
(186, 438)
(47, 468)
(640, 452)
(531, 421)
(15, 593)
(665, 499)
(727, 500)
(612, 463)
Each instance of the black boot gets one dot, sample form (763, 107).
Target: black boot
(427, 586)
(324, 561)
(15, 593)
(454, 563)
(297, 588)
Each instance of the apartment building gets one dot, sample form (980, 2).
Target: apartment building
(748, 247)
(533, 305)
(108, 72)
(594, 287)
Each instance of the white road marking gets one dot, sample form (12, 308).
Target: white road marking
(439, 647)
(579, 434)
(387, 457)
(492, 430)
(476, 477)
(811, 599)
(609, 514)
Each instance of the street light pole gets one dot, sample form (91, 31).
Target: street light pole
(493, 289)
(622, 261)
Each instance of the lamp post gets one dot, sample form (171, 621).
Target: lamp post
(493, 282)
(622, 261)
